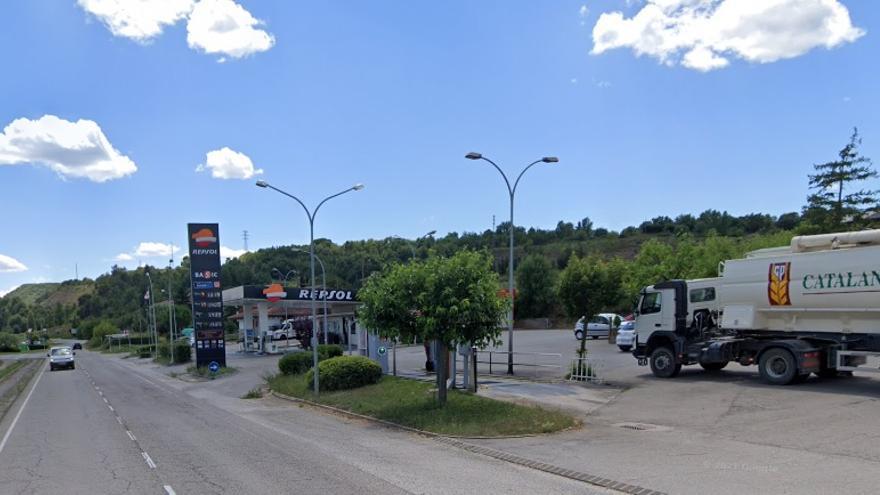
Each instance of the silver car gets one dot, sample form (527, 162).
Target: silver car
(61, 357)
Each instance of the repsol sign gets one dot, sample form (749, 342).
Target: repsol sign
(322, 294)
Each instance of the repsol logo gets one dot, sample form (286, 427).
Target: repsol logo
(204, 252)
(331, 295)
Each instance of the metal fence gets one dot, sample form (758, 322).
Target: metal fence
(586, 370)
(537, 361)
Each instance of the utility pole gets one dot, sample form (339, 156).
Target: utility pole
(244, 236)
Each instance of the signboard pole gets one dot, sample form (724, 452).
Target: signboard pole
(207, 296)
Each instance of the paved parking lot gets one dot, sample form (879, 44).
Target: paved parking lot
(725, 429)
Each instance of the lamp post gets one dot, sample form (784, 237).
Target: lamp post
(511, 191)
(323, 285)
(311, 216)
(153, 317)
(284, 277)
(412, 244)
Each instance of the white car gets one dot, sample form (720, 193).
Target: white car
(598, 326)
(61, 357)
(626, 336)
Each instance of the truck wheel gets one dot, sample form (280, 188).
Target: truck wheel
(663, 363)
(713, 366)
(777, 367)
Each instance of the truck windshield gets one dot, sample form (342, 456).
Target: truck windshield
(650, 303)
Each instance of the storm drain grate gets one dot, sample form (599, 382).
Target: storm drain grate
(642, 427)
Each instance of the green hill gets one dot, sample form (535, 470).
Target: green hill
(50, 294)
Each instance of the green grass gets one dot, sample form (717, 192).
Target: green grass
(11, 368)
(204, 372)
(412, 403)
(254, 393)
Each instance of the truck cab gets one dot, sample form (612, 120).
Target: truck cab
(674, 318)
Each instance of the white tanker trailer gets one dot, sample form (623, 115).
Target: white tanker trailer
(811, 307)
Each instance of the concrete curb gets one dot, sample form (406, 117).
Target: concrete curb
(457, 442)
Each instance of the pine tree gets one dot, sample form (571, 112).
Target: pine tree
(830, 206)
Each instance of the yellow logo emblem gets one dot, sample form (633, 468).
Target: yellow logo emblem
(777, 285)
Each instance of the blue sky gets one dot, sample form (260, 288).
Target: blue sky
(392, 94)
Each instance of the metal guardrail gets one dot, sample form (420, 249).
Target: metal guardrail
(535, 357)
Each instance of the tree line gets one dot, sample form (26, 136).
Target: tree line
(549, 261)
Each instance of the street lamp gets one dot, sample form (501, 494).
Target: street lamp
(324, 285)
(412, 244)
(284, 277)
(153, 316)
(512, 191)
(311, 216)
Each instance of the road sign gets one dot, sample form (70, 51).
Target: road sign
(214, 366)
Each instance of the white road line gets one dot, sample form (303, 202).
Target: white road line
(169, 490)
(111, 408)
(148, 460)
(105, 400)
(118, 420)
(131, 436)
(18, 414)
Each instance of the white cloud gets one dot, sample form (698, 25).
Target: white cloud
(228, 252)
(229, 164)
(140, 20)
(10, 264)
(584, 11)
(154, 250)
(704, 34)
(123, 257)
(226, 28)
(72, 149)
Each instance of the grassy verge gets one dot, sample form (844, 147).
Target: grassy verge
(11, 368)
(204, 372)
(411, 403)
(8, 397)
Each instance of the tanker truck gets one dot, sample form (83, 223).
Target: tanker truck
(810, 307)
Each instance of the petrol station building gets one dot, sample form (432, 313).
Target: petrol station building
(263, 306)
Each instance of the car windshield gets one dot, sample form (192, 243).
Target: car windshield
(628, 325)
(63, 351)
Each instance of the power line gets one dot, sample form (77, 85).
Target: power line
(245, 236)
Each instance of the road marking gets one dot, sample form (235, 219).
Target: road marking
(105, 400)
(111, 408)
(169, 490)
(18, 414)
(148, 460)
(118, 420)
(131, 436)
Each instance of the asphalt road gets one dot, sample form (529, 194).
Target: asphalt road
(113, 426)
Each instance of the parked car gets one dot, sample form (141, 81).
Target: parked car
(626, 336)
(598, 326)
(61, 357)
(77, 345)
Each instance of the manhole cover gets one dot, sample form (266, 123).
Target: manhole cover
(642, 427)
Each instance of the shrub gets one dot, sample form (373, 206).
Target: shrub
(327, 351)
(144, 351)
(295, 363)
(8, 342)
(182, 352)
(346, 372)
(101, 330)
